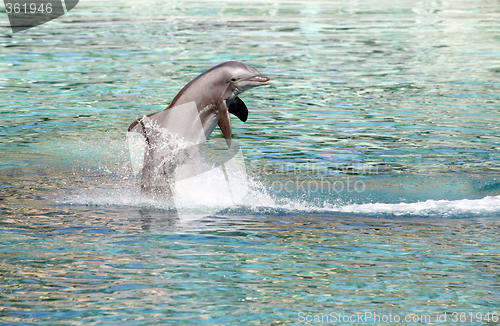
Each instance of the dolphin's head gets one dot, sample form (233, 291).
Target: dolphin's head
(240, 77)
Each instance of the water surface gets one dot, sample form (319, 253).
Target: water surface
(382, 118)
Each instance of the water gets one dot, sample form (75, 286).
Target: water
(373, 161)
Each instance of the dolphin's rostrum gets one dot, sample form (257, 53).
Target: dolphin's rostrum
(215, 95)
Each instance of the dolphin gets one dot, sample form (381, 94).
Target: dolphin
(215, 95)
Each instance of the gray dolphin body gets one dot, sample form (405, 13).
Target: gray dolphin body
(215, 94)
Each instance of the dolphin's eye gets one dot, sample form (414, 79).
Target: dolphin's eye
(233, 79)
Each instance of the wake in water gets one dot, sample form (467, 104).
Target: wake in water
(197, 198)
(203, 179)
(446, 208)
(487, 206)
(223, 185)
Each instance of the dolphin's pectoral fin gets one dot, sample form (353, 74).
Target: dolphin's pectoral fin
(225, 122)
(239, 109)
(133, 126)
(138, 126)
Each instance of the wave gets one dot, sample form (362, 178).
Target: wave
(445, 208)
(198, 201)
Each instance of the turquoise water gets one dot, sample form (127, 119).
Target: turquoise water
(373, 160)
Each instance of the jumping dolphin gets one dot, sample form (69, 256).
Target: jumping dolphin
(215, 94)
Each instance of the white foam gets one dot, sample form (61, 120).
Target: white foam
(257, 198)
(112, 197)
(218, 188)
(136, 145)
(486, 205)
(209, 193)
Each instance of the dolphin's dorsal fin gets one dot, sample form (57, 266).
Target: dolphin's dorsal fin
(239, 109)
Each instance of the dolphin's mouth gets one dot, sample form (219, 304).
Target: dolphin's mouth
(258, 80)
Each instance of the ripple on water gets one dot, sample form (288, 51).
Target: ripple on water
(401, 97)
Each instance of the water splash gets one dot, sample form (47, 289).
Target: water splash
(198, 198)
